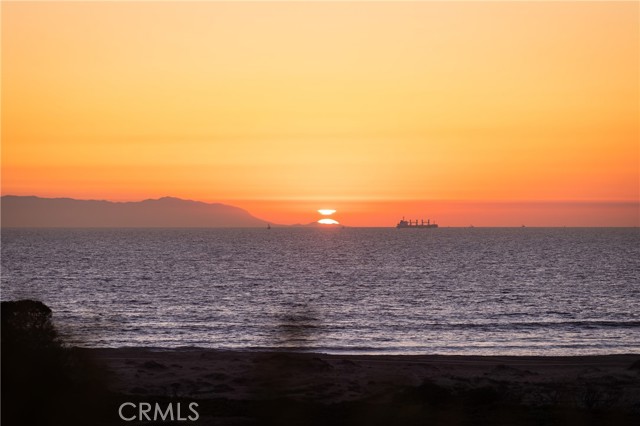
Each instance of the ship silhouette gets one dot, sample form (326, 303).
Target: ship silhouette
(411, 224)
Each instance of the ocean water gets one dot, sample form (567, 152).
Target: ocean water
(560, 291)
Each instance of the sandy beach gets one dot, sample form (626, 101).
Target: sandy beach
(248, 387)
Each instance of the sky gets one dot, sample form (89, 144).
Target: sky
(483, 113)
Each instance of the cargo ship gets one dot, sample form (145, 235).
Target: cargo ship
(415, 224)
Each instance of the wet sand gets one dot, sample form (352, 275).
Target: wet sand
(248, 387)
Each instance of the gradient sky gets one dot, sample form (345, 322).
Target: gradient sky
(469, 113)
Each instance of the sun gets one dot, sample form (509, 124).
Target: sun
(328, 222)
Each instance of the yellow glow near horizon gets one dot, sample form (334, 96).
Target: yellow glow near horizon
(326, 212)
(328, 222)
(299, 104)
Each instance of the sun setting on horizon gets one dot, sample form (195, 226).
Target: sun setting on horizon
(327, 221)
(483, 113)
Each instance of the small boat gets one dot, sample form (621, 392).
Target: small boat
(411, 224)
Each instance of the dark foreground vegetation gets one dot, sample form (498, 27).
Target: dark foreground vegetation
(43, 382)
(46, 383)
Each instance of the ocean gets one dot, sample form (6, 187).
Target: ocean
(480, 291)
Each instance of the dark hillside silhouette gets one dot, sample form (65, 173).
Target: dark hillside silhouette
(164, 212)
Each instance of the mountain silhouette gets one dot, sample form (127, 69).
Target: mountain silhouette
(31, 211)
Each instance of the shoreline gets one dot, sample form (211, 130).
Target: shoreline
(543, 360)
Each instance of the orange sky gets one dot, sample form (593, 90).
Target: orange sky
(484, 113)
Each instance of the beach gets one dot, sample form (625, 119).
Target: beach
(253, 387)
